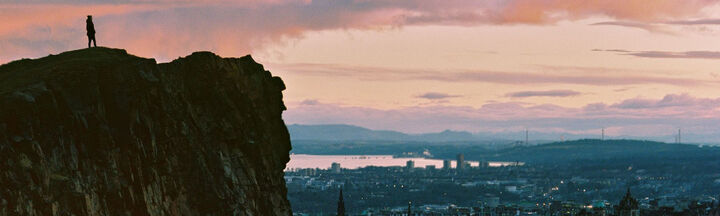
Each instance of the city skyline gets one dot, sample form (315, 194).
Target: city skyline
(425, 66)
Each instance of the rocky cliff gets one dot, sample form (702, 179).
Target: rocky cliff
(101, 132)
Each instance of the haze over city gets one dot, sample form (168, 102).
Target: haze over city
(560, 66)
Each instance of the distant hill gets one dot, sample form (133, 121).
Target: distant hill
(344, 132)
(338, 132)
(341, 132)
(595, 149)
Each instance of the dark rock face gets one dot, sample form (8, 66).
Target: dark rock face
(101, 132)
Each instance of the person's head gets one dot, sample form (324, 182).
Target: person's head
(89, 17)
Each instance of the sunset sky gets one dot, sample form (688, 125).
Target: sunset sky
(634, 67)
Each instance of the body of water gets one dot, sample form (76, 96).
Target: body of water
(303, 161)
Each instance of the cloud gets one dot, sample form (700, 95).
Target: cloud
(664, 27)
(688, 54)
(548, 93)
(639, 25)
(546, 75)
(695, 22)
(635, 103)
(666, 54)
(631, 115)
(622, 89)
(166, 29)
(611, 50)
(594, 107)
(310, 102)
(670, 100)
(436, 96)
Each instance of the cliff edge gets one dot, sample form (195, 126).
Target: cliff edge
(100, 132)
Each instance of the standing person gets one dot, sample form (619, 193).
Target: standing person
(90, 31)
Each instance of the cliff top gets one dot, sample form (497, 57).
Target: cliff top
(19, 73)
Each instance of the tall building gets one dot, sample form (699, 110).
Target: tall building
(341, 205)
(409, 210)
(483, 164)
(628, 206)
(335, 167)
(446, 164)
(460, 161)
(410, 165)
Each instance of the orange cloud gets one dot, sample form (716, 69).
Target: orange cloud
(529, 11)
(547, 75)
(167, 28)
(17, 17)
(642, 114)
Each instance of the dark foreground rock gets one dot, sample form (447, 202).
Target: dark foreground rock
(101, 132)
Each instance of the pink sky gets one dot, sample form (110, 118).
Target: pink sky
(636, 67)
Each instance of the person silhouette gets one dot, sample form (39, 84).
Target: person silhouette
(90, 31)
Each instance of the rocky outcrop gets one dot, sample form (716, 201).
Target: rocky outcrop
(101, 132)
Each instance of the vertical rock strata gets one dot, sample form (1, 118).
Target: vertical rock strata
(101, 132)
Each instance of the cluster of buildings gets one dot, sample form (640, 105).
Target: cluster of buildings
(514, 189)
(627, 206)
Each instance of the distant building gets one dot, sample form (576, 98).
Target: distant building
(483, 164)
(335, 167)
(341, 205)
(628, 206)
(410, 165)
(306, 172)
(714, 209)
(409, 210)
(492, 202)
(460, 161)
(556, 207)
(446, 164)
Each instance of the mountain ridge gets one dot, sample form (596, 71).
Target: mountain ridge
(346, 132)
